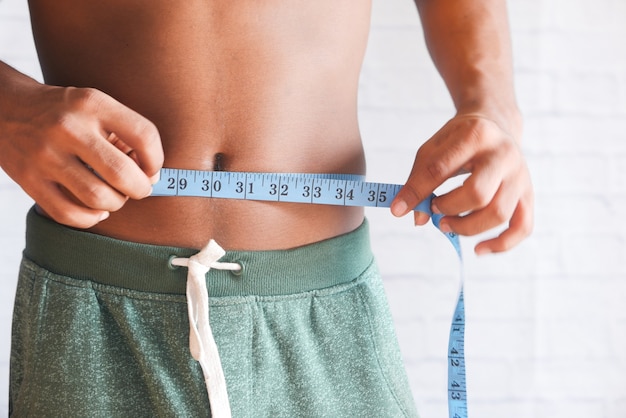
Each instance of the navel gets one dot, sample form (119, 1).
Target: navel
(218, 162)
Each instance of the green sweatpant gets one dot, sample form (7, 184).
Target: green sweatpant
(100, 329)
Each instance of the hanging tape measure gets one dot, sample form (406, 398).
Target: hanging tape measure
(324, 189)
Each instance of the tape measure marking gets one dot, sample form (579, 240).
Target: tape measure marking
(457, 392)
(325, 189)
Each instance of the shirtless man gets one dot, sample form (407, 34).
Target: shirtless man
(240, 86)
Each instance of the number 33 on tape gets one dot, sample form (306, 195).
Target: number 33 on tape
(325, 189)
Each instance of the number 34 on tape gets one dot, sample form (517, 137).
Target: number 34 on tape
(324, 189)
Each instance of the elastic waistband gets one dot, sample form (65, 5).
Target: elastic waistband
(83, 255)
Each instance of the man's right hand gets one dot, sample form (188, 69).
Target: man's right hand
(79, 153)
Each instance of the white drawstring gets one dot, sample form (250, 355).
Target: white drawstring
(201, 342)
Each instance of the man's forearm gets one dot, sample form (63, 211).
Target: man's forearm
(470, 45)
(13, 87)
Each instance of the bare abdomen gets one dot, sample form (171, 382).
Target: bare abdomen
(269, 87)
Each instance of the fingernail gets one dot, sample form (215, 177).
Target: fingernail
(149, 192)
(444, 227)
(155, 179)
(399, 208)
(420, 218)
(435, 209)
(103, 216)
(482, 251)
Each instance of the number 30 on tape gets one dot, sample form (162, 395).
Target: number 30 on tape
(324, 189)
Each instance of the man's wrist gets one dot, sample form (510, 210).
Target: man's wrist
(506, 115)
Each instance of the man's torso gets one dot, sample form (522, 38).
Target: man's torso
(269, 86)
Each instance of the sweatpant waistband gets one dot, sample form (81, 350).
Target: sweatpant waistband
(87, 256)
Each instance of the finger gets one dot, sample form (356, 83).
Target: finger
(420, 218)
(136, 133)
(123, 146)
(65, 210)
(116, 168)
(497, 212)
(520, 227)
(434, 164)
(126, 149)
(89, 189)
(155, 178)
(476, 191)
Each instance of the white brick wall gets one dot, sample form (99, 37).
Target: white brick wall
(546, 328)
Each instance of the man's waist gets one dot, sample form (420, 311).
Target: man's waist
(83, 255)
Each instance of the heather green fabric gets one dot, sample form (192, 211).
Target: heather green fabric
(101, 330)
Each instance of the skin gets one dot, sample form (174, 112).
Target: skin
(248, 86)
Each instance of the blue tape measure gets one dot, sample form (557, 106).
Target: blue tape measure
(324, 189)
